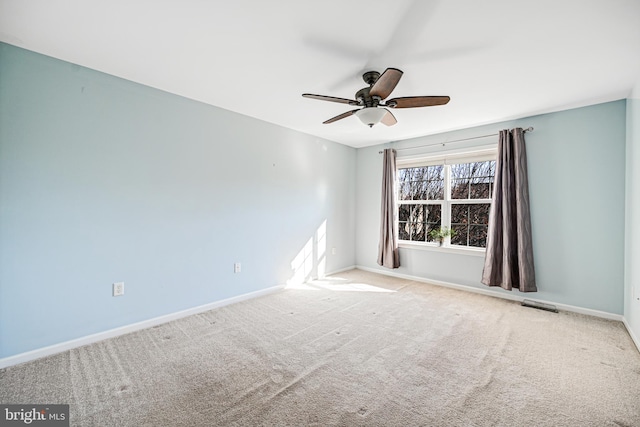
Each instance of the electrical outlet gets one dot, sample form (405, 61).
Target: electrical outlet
(237, 267)
(333, 251)
(118, 289)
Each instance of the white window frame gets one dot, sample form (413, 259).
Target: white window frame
(469, 155)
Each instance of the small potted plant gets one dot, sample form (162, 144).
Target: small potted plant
(439, 234)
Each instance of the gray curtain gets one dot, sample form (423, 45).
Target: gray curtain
(388, 255)
(508, 261)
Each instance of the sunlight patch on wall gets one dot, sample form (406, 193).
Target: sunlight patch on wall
(321, 248)
(302, 265)
(311, 261)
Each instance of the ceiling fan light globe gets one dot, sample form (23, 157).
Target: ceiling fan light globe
(371, 116)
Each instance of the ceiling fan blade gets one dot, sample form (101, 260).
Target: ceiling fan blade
(417, 101)
(331, 98)
(340, 117)
(388, 119)
(386, 83)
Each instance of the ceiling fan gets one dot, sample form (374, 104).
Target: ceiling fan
(371, 99)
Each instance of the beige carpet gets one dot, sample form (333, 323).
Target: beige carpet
(356, 349)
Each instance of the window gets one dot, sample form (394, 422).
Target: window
(452, 191)
(421, 192)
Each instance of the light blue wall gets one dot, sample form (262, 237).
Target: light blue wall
(576, 162)
(632, 247)
(103, 180)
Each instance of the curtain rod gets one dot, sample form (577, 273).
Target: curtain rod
(529, 129)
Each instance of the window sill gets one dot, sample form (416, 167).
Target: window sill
(447, 249)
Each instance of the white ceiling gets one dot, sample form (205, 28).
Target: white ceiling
(496, 59)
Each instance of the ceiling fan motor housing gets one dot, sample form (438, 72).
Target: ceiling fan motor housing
(365, 99)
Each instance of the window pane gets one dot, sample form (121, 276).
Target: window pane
(403, 231)
(434, 219)
(404, 183)
(402, 175)
(434, 214)
(435, 226)
(481, 169)
(470, 222)
(479, 189)
(435, 177)
(459, 214)
(436, 172)
(403, 213)
(417, 222)
(479, 214)
(459, 188)
(411, 224)
(421, 183)
(461, 170)
(412, 230)
(419, 190)
(404, 190)
(419, 231)
(481, 177)
(419, 174)
(478, 236)
(462, 233)
(405, 221)
(472, 180)
(436, 189)
(417, 213)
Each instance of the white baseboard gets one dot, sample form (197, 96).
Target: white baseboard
(330, 273)
(634, 338)
(489, 292)
(89, 339)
